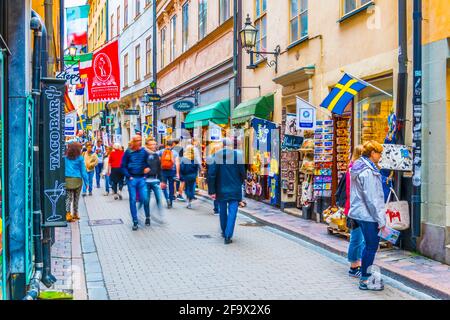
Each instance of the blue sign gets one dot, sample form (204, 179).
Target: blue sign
(183, 105)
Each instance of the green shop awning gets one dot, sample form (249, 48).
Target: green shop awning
(260, 107)
(217, 112)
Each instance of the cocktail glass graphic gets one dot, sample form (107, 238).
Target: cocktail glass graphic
(53, 195)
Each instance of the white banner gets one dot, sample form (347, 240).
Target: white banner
(306, 115)
(70, 124)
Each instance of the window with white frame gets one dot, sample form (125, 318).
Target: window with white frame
(163, 46)
(125, 70)
(137, 6)
(173, 37)
(224, 10)
(148, 55)
(137, 66)
(185, 26)
(348, 6)
(298, 19)
(125, 14)
(261, 24)
(202, 18)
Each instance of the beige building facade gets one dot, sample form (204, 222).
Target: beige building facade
(321, 39)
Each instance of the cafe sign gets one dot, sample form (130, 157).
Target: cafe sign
(183, 105)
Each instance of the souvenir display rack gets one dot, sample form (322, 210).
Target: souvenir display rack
(323, 158)
(343, 150)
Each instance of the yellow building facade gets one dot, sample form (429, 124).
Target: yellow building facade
(319, 40)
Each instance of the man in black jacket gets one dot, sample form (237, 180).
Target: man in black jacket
(226, 175)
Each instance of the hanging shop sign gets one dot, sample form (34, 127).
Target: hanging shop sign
(214, 132)
(291, 142)
(131, 112)
(53, 153)
(71, 73)
(306, 115)
(162, 129)
(153, 97)
(104, 74)
(70, 124)
(183, 105)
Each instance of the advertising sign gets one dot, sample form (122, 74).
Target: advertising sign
(53, 153)
(306, 115)
(70, 124)
(183, 105)
(131, 112)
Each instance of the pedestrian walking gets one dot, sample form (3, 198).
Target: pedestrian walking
(226, 175)
(135, 168)
(170, 170)
(212, 149)
(91, 161)
(179, 183)
(115, 170)
(75, 172)
(106, 172)
(356, 243)
(100, 151)
(153, 178)
(367, 209)
(189, 168)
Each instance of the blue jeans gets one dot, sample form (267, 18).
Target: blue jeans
(138, 185)
(168, 178)
(90, 182)
(156, 188)
(228, 212)
(189, 188)
(356, 245)
(98, 170)
(216, 206)
(372, 240)
(107, 182)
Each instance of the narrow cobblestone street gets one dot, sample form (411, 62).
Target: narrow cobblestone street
(185, 258)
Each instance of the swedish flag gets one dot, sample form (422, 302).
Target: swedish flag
(342, 94)
(147, 129)
(81, 122)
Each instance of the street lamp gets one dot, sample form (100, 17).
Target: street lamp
(72, 50)
(248, 41)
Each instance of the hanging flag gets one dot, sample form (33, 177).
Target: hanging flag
(79, 89)
(104, 75)
(68, 105)
(147, 129)
(77, 25)
(85, 65)
(81, 122)
(342, 94)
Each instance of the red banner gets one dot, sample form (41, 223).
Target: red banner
(104, 75)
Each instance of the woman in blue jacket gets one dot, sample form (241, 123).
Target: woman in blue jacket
(75, 175)
(189, 168)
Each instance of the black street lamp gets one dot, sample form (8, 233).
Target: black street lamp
(72, 50)
(248, 40)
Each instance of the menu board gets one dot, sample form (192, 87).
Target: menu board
(323, 158)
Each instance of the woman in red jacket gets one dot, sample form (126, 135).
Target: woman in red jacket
(116, 175)
(356, 244)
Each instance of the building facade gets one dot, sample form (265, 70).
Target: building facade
(361, 38)
(132, 23)
(97, 37)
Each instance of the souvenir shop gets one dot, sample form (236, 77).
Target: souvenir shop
(261, 148)
(207, 125)
(313, 161)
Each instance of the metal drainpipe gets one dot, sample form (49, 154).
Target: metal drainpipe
(33, 292)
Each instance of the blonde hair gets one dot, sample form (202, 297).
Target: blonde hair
(370, 146)
(189, 152)
(357, 152)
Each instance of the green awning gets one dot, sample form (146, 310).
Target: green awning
(217, 112)
(260, 107)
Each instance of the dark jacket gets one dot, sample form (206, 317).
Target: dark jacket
(154, 162)
(226, 174)
(188, 169)
(134, 163)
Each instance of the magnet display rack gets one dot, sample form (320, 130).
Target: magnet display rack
(323, 158)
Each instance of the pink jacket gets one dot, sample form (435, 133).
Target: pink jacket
(347, 189)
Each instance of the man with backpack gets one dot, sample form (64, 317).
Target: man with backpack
(170, 169)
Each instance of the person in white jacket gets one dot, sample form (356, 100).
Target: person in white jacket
(367, 207)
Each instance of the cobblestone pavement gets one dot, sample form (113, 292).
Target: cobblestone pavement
(169, 262)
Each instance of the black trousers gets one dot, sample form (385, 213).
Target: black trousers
(116, 178)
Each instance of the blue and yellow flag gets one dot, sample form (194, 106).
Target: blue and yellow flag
(81, 122)
(147, 129)
(342, 94)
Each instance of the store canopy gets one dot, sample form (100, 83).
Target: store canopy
(217, 112)
(260, 107)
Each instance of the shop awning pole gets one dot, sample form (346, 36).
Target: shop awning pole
(368, 84)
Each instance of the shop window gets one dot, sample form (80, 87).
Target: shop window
(372, 112)
(298, 19)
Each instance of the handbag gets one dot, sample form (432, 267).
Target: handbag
(397, 213)
(73, 183)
